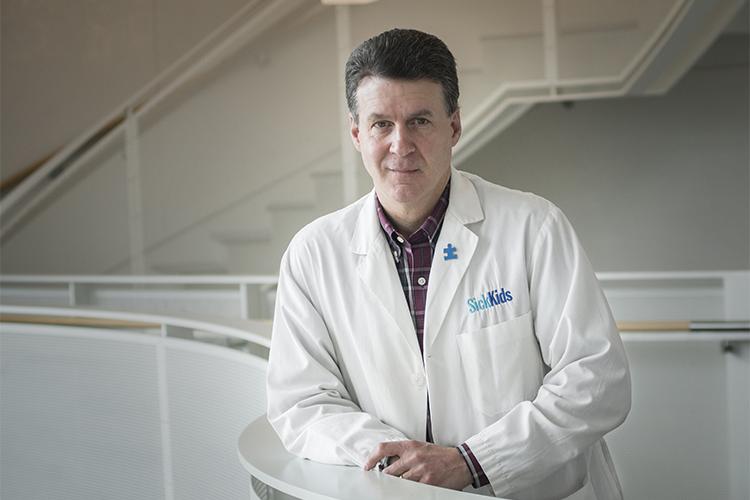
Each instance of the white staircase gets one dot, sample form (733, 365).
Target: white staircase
(215, 167)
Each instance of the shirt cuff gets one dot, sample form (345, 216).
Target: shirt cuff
(478, 476)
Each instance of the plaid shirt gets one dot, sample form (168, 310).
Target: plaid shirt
(413, 258)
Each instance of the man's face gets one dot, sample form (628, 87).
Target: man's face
(405, 137)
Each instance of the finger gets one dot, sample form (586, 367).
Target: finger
(410, 476)
(372, 461)
(385, 449)
(398, 468)
(414, 474)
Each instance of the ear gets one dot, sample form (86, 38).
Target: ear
(456, 127)
(354, 131)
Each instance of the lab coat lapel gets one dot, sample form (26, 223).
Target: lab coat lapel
(446, 274)
(377, 271)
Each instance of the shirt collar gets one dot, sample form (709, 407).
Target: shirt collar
(429, 227)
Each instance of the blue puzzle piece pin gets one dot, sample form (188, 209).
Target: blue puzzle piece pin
(449, 252)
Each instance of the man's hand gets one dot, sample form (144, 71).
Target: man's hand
(424, 462)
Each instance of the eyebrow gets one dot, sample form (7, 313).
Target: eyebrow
(421, 112)
(377, 116)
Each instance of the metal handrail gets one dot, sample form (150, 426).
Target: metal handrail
(633, 332)
(145, 279)
(259, 332)
(75, 284)
(479, 122)
(255, 332)
(14, 179)
(272, 279)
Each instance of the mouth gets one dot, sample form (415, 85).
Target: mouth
(403, 171)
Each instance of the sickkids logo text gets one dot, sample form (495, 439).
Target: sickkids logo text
(490, 299)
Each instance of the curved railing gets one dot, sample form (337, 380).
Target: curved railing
(649, 306)
(236, 296)
(254, 332)
(122, 405)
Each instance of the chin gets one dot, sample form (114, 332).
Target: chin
(405, 194)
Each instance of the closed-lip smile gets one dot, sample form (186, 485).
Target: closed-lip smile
(403, 170)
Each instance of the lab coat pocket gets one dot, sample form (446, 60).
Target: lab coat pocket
(501, 364)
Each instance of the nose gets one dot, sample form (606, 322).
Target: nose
(401, 141)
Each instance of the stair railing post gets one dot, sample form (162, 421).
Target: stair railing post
(349, 162)
(135, 199)
(551, 62)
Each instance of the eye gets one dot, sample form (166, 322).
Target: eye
(381, 124)
(421, 121)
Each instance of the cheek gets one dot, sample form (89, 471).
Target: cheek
(370, 160)
(439, 148)
(373, 152)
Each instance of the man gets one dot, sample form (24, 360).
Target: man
(449, 327)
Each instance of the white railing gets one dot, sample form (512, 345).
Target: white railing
(135, 405)
(178, 405)
(511, 100)
(245, 297)
(203, 328)
(633, 296)
(687, 296)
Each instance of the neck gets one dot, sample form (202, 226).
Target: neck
(408, 217)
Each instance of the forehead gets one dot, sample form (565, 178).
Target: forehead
(387, 96)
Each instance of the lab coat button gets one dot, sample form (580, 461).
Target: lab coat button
(419, 380)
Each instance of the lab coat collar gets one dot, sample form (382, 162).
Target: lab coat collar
(464, 208)
(463, 204)
(378, 272)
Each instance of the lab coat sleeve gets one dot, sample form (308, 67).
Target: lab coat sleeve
(309, 405)
(586, 392)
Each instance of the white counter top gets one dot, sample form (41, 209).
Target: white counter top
(263, 455)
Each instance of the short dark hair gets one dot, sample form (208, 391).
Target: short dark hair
(402, 54)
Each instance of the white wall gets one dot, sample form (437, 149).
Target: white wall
(650, 183)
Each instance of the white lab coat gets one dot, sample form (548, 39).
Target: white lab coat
(531, 384)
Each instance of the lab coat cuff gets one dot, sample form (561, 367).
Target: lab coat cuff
(478, 478)
(486, 456)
